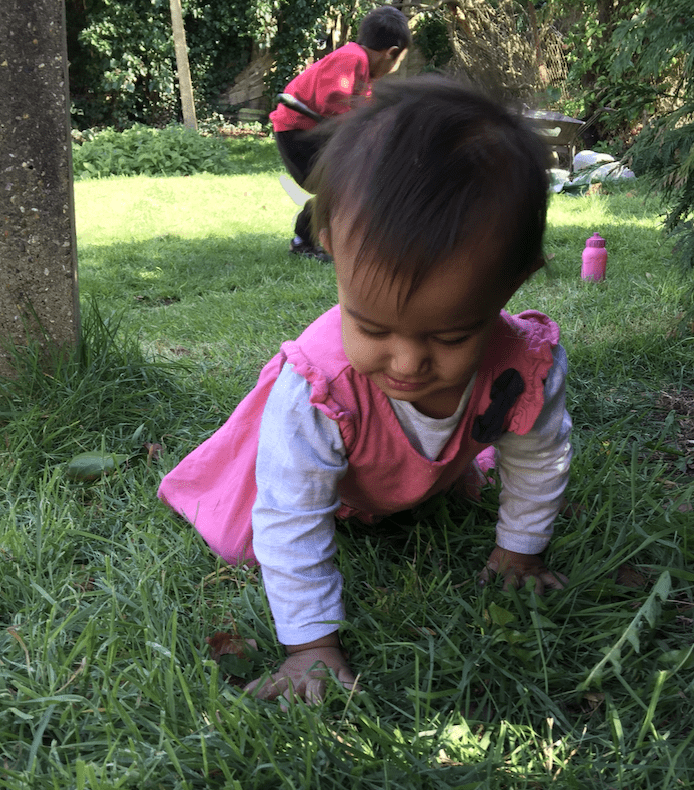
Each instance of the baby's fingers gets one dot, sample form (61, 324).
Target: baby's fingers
(315, 691)
(554, 580)
(484, 576)
(541, 581)
(347, 679)
(268, 688)
(491, 569)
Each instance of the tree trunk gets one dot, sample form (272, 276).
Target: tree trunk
(184, 82)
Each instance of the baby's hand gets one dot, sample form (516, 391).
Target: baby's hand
(304, 674)
(518, 568)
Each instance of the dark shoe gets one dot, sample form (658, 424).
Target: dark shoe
(308, 250)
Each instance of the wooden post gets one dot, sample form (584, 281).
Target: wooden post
(184, 82)
(38, 260)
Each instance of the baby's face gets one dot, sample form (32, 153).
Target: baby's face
(426, 350)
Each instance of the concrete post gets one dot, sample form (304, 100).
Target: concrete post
(38, 258)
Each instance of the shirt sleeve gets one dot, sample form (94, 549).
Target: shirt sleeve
(301, 458)
(534, 470)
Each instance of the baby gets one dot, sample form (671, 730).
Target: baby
(432, 201)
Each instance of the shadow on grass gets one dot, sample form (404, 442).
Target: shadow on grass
(170, 268)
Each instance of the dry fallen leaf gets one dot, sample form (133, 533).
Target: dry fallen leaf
(231, 652)
(571, 509)
(224, 644)
(667, 483)
(419, 630)
(594, 699)
(154, 451)
(628, 576)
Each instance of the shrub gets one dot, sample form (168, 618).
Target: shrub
(173, 151)
(664, 155)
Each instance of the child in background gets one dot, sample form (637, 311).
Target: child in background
(330, 87)
(432, 201)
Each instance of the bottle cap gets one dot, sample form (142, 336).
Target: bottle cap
(596, 240)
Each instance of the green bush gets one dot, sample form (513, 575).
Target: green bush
(664, 156)
(590, 50)
(173, 151)
(295, 34)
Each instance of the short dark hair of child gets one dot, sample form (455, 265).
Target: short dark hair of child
(430, 167)
(383, 28)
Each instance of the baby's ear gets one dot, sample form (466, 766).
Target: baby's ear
(324, 239)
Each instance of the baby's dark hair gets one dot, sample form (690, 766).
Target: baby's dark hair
(383, 28)
(430, 168)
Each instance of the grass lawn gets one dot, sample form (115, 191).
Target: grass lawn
(107, 600)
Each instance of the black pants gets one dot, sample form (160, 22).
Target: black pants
(299, 149)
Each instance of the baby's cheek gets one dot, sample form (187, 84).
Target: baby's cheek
(358, 360)
(358, 353)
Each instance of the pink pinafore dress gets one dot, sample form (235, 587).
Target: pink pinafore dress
(214, 487)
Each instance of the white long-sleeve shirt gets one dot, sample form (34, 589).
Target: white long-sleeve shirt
(301, 459)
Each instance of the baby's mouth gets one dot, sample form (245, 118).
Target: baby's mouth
(404, 385)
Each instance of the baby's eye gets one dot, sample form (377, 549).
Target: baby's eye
(372, 332)
(451, 341)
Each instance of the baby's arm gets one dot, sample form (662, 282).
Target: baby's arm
(534, 471)
(301, 458)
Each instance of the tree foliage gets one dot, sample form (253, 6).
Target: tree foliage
(657, 45)
(120, 60)
(122, 67)
(122, 63)
(299, 29)
(432, 36)
(588, 29)
(494, 45)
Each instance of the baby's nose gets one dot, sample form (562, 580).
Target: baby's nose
(410, 359)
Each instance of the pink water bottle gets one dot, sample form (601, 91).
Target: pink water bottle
(594, 259)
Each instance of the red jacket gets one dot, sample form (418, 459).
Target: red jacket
(329, 87)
